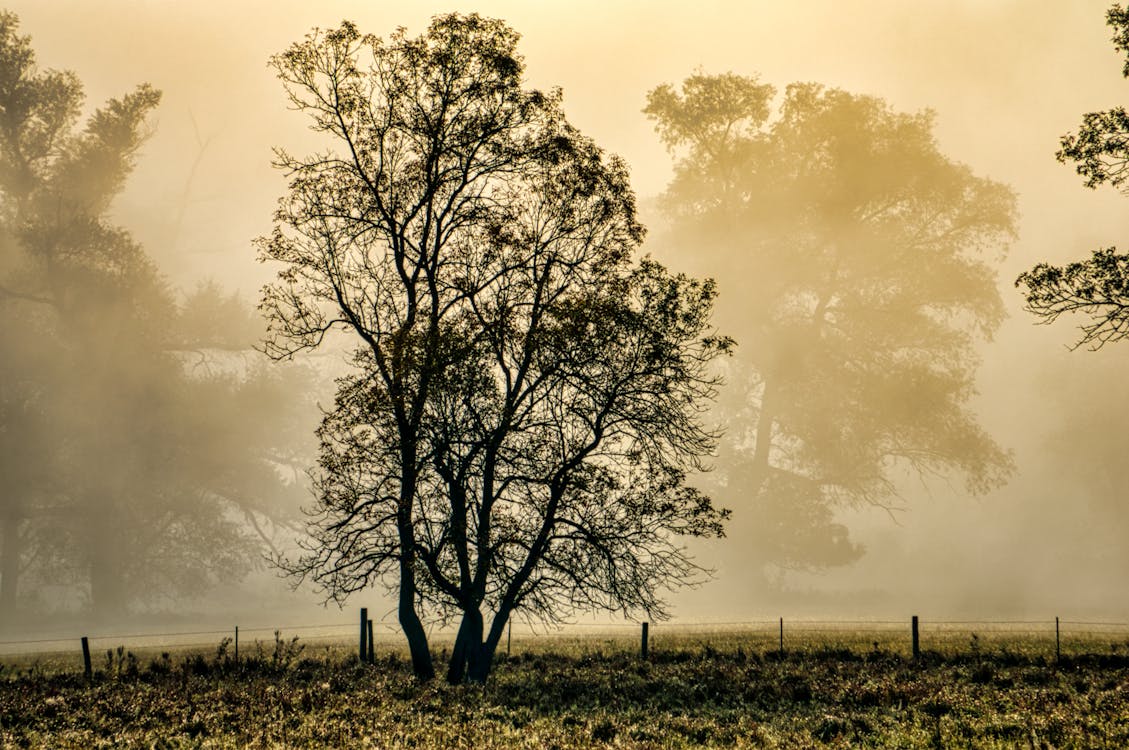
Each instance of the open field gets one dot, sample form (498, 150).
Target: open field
(723, 688)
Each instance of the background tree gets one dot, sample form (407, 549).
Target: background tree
(852, 254)
(1097, 287)
(480, 250)
(122, 484)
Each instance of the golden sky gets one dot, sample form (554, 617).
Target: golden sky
(1006, 77)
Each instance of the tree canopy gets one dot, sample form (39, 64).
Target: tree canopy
(857, 259)
(527, 397)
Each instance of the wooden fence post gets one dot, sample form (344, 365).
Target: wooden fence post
(371, 650)
(86, 669)
(509, 635)
(237, 644)
(916, 639)
(364, 634)
(782, 636)
(644, 644)
(1058, 643)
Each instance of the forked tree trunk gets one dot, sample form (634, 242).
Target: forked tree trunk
(465, 654)
(473, 657)
(479, 670)
(479, 667)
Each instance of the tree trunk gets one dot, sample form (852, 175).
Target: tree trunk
(409, 620)
(464, 657)
(410, 623)
(456, 667)
(9, 566)
(483, 660)
(108, 551)
(765, 423)
(107, 584)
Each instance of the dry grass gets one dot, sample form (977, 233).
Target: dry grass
(726, 689)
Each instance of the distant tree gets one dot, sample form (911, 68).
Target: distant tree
(61, 260)
(1097, 287)
(852, 258)
(212, 320)
(27, 455)
(526, 397)
(125, 474)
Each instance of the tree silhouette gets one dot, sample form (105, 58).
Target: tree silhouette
(1097, 287)
(527, 397)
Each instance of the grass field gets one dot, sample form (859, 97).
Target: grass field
(722, 688)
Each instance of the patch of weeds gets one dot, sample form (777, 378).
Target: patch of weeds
(162, 666)
(603, 731)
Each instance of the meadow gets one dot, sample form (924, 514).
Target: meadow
(715, 688)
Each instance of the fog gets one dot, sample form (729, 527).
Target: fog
(1005, 80)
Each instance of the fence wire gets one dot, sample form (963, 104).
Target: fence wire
(1069, 636)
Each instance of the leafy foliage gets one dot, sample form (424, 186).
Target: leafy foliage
(1098, 287)
(1100, 149)
(858, 258)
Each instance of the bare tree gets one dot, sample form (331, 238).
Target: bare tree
(526, 399)
(425, 130)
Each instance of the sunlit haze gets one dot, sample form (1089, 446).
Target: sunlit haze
(1005, 80)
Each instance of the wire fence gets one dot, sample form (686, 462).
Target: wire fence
(175, 639)
(1050, 639)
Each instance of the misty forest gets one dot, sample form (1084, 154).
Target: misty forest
(515, 321)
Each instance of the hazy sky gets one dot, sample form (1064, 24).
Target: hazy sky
(1005, 77)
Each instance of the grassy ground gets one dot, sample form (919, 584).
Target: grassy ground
(585, 692)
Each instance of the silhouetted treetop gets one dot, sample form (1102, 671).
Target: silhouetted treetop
(1095, 287)
(1100, 149)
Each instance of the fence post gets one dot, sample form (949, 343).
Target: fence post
(643, 650)
(86, 670)
(371, 650)
(916, 639)
(1058, 643)
(364, 633)
(782, 636)
(509, 635)
(237, 644)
